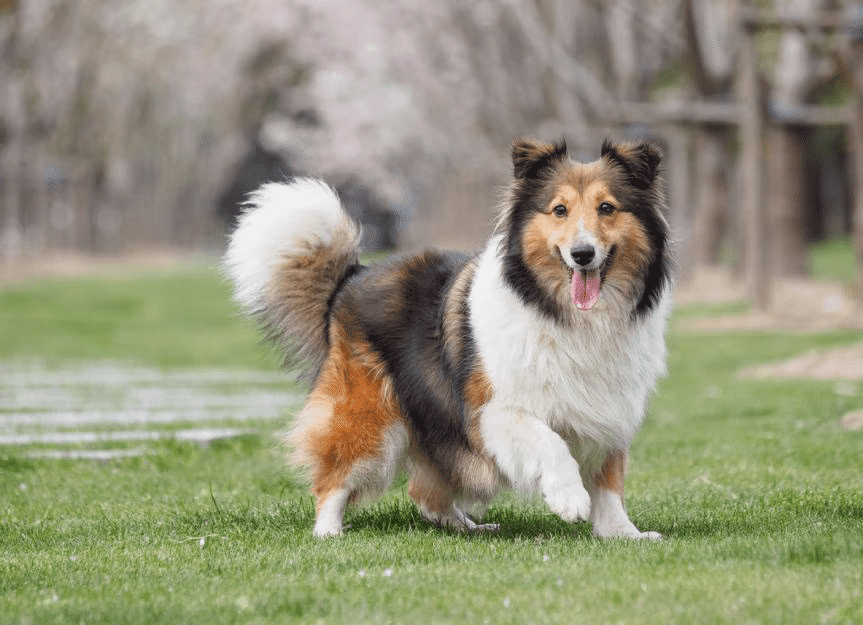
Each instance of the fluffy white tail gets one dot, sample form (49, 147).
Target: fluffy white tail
(293, 246)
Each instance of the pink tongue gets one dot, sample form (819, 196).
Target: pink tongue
(585, 289)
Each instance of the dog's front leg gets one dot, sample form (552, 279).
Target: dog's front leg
(608, 512)
(535, 458)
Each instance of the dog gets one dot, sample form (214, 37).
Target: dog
(527, 365)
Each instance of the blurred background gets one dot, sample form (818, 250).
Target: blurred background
(136, 128)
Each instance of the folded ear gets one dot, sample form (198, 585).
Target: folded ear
(640, 161)
(530, 158)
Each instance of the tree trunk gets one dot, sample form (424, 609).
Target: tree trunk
(712, 206)
(751, 165)
(857, 150)
(786, 200)
(679, 180)
(706, 37)
(795, 77)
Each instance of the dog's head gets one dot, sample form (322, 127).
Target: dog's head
(576, 234)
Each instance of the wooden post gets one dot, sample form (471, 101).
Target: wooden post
(855, 33)
(785, 199)
(680, 196)
(751, 161)
(712, 200)
(16, 224)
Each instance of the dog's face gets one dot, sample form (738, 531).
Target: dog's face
(575, 231)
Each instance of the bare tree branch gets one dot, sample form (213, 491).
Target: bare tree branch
(553, 55)
(706, 81)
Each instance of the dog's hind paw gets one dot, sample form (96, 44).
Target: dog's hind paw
(458, 519)
(482, 527)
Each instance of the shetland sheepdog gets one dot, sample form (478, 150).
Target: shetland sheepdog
(527, 365)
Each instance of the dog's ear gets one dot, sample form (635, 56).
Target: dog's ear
(530, 158)
(639, 161)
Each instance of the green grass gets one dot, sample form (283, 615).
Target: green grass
(167, 319)
(833, 260)
(758, 492)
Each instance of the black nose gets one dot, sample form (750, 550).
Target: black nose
(583, 254)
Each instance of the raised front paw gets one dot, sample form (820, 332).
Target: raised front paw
(570, 503)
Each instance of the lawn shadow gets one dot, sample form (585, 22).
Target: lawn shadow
(515, 523)
(775, 513)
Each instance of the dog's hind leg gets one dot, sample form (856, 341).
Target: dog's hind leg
(317, 447)
(347, 466)
(350, 434)
(436, 501)
(330, 512)
(357, 474)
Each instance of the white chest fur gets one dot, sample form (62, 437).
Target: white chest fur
(592, 378)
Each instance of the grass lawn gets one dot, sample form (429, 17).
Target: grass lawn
(757, 490)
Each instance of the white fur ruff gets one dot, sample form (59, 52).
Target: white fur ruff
(563, 396)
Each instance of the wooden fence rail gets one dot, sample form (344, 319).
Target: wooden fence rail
(751, 115)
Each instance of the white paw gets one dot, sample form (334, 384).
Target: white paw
(323, 530)
(625, 531)
(610, 519)
(570, 503)
(330, 514)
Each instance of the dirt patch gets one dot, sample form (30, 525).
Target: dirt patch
(20, 271)
(795, 305)
(852, 421)
(839, 363)
(842, 364)
(710, 285)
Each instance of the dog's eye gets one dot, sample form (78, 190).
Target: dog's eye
(559, 210)
(605, 208)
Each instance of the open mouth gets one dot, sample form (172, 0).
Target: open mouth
(587, 284)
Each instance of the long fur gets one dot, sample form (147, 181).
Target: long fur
(292, 246)
(475, 372)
